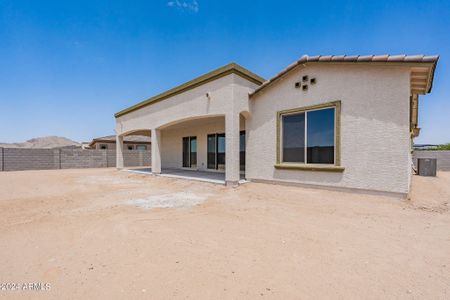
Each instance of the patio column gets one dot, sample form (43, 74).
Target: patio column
(119, 152)
(156, 151)
(232, 149)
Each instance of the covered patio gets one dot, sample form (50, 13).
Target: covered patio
(197, 148)
(197, 128)
(196, 175)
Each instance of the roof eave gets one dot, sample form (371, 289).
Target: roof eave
(433, 68)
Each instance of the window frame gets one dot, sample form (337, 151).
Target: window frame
(216, 150)
(336, 167)
(138, 147)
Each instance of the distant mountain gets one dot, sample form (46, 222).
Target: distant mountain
(44, 142)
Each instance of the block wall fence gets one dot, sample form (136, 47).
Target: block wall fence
(442, 156)
(17, 159)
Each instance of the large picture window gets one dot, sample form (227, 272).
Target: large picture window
(309, 136)
(294, 138)
(320, 136)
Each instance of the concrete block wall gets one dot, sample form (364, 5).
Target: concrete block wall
(145, 158)
(111, 158)
(79, 158)
(16, 159)
(57, 158)
(443, 158)
(132, 158)
(1, 159)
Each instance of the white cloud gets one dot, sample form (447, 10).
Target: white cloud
(184, 5)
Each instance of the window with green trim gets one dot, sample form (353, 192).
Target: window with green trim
(309, 135)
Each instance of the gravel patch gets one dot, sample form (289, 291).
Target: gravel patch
(95, 180)
(173, 200)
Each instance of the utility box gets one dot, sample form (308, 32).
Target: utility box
(426, 166)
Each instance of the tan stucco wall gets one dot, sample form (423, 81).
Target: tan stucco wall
(375, 139)
(226, 97)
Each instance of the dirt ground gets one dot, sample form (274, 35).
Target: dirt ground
(85, 233)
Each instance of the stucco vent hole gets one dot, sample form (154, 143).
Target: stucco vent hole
(312, 81)
(305, 78)
(305, 87)
(298, 85)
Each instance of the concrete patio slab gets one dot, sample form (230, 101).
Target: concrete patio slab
(205, 176)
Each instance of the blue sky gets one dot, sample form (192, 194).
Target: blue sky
(67, 66)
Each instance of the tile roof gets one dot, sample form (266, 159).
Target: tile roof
(370, 58)
(126, 139)
(351, 59)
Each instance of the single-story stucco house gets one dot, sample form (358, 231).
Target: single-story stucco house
(130, 142)
(330, 121)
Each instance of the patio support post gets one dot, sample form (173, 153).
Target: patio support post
(232, 149)
(156, 151)
(119, 152)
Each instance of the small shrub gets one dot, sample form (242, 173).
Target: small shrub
(444, 147)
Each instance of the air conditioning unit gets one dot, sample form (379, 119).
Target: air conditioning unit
(426, 166)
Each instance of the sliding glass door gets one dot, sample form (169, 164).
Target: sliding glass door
(242, 150)
(193, 151)
(212, 146)
(186, 160)
(216, 151)
(190, 152)
(220, 165)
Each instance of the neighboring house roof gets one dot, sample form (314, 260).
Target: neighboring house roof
(126, 139)
(231, 68)
(421, 83)
(425, 146)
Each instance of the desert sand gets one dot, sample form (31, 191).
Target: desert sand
(108, 234)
